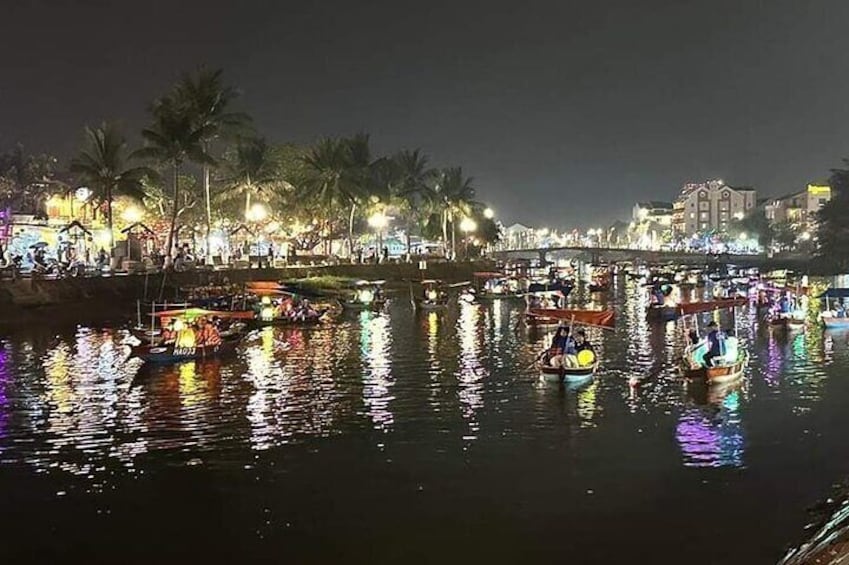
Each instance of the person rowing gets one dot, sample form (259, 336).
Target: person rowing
(715, 340)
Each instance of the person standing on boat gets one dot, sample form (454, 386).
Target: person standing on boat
(714, 343)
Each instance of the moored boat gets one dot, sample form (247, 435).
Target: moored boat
(837, 317)
(366, 295)
(174, 352)
(433, 296)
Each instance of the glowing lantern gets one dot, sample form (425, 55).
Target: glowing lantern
(366, 296)
(267, 313)
(432, 294)
(266, 300)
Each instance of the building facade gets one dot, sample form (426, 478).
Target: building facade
(799, 208)
(710, 207)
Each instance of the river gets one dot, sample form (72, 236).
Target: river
(402, 437)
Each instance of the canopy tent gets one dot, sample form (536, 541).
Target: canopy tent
(835, 293)
(605, 319)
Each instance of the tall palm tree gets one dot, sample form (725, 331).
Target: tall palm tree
(456, 197)
(413, 188)
(250, 170)
(172, 139)
(209, 102)
(104, 165)
(339, 176)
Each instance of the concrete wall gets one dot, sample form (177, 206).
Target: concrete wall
(27, 293)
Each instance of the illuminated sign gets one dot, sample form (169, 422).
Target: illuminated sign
(819, 190)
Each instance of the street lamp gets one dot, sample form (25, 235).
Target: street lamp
(378, 221)
(132, 214)
(467, 226)
(256, 213)
(488, 213)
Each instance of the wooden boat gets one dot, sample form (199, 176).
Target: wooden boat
(173, 353)
(497, 286)
(433, 297)
(837, 318)
(788, 320)
(565, 374)
(537, 302)
(722, 371)
(153, 332)
(366, 295)
(661, 313)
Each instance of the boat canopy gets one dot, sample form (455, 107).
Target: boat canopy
(194, 313)
(710, 305)
(369, 283)
(835, 293)
(489, 275)
(599, 318)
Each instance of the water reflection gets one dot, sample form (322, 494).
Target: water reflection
(72, 402)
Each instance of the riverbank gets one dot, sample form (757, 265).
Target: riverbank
(26, 300)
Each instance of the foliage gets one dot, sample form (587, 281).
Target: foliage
(755, 225)
(26, 180)
(251, 169)
(105, 167)
(833, 219)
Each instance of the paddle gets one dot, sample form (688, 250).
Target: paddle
(534, 362)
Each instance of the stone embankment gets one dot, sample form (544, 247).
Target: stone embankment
(21, 297)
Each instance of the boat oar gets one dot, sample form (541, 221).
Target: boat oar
(534, 362)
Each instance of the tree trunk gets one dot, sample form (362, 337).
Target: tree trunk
(172, 233)
(445, 231)
(208, 211)
(453, 239)
(109, 221)
(409, 241)
(351, 230)
(247, 202)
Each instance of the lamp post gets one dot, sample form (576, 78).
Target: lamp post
(256, 214)
(378, 221)
(467, 226)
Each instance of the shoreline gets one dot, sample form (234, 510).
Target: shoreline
(25, 301)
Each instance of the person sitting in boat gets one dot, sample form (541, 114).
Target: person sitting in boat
(207, 334)
(169, 333)
(715, 338)
(582, 343)
(560, 344)
(784, 304)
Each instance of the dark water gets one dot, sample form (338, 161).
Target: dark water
(415, 438)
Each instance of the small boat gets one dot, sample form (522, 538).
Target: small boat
(366, 295)
(493, 286)
(174, 353)
(786, 320)
(835, 318)
(434, 296)
(565, 374)
(537, 302)
(722, 371)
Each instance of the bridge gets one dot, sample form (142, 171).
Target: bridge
(600, 255)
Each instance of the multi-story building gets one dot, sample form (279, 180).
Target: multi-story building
(799, 208)
(710, 206)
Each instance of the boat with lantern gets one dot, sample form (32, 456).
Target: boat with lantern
(540, 301)
(179, 340)
(586, 362)
(276, 304)
(491, 285)
(835, 315)
(727, 366)
(366, 295)
(670, 312)
(432, 296)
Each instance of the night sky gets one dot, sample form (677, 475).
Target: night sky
(564, 112)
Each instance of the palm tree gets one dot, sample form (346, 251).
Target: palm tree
(208, 101)
(339, 176)
(412, 189)
(172, 139)
(104, 166)
(251, 169)
(456, 196)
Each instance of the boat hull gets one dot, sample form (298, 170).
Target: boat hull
(565, 374)
(661, 313)
(173, 354)
(835, 323)
(717, 374)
